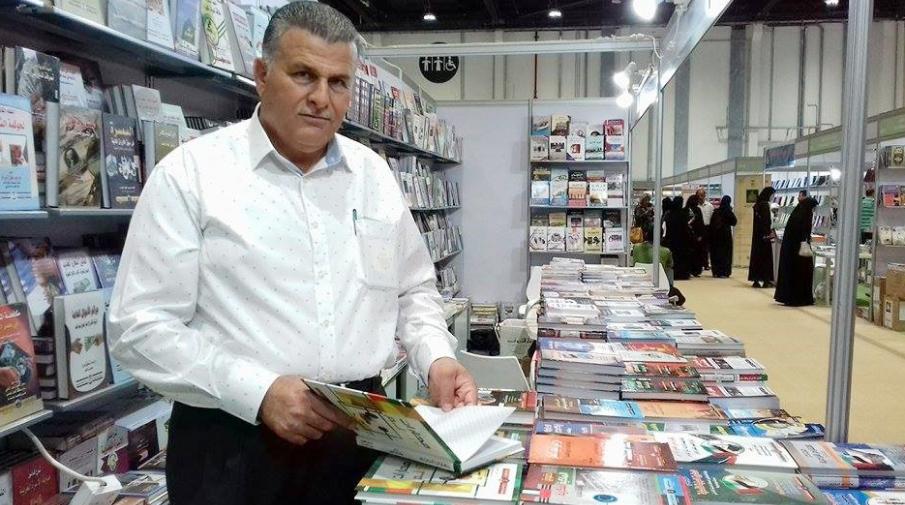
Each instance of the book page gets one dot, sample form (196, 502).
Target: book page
(465, 429)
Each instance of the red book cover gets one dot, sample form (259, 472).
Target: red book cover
(21, 392)
(649, 347)
(636, 452)
(34, 482)
(670, 370)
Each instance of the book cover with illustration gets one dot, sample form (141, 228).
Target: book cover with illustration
(540, 125)
(614, 451)
(77, 270)
(81, 351)
(750, 453)
(580, 486)
(18, 170)
(80, 161)
(39, 278)
(216, 49)
(36, 76)
(458, 441)
(188, 27)
(129, 17)
(18, 374)
(391, 478)
(122, 166)
(725, 486)
(160, 24)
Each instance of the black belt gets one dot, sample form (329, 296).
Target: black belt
(370, 385)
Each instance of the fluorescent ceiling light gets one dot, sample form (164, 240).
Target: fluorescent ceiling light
(555, 13)
(622, 79)
(429, 16)
(831, 3)
(645, 9)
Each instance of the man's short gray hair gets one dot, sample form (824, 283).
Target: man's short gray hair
(317, 18)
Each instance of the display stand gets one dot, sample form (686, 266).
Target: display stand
(592, 113)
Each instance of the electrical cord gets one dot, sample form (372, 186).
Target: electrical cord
(60, 466)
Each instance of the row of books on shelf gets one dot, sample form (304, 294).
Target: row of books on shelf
(60, 126)
(562, 138)
(400, 113)
(891, 235)
(183, 27)
(804, 182)
(447, 281)
(422, 188)
(56, 301)
(127, 438)
(891, 195)
(576, 231)
(576, 188)
(789, 201)
(892, 157)
(441, 237)
(819, 221)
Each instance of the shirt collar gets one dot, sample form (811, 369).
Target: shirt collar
(260, 146)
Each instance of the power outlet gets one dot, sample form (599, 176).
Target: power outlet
(95, 493)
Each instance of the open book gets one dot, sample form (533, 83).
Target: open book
(458, 441)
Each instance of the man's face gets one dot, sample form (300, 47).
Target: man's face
(802, 196)
(305, 90)
(702, 195)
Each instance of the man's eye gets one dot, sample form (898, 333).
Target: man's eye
(303, 75)
(339, 84)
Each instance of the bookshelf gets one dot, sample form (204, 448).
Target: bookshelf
(101, 395)
(593, 222)
(25, 422)
(888, 217)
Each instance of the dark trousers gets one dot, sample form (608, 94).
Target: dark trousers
(214, 458)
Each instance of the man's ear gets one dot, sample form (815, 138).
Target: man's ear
(260, 74)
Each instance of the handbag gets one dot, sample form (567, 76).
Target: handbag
(636, 236)
(805, 250)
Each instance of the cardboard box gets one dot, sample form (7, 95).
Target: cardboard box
(878, 298)
(895, 282)
(894, 313)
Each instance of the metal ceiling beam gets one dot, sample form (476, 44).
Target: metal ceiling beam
(493, 10)
(597, 45)
(360, 10)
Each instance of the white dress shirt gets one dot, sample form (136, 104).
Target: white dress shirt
(238, 269)
(706, 212)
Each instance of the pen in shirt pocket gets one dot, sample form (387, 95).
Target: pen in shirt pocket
(355, 221)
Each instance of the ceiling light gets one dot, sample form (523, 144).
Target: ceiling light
(429, 16)
(622, 79)
(645, 9)
(835, 174)
(555, 13)
(625, 100)
(831, 3)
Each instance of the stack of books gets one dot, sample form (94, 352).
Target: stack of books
(579, 369)
(707, 343)
(850, 465)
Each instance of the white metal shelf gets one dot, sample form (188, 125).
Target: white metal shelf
(25, 422)
(90, 212)
(23, 214)
(580, 253)
(94, 397)
(566, 207)
(448, 256)
(579, 162)
(434, 209)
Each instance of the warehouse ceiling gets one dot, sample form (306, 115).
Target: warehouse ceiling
(407, 15)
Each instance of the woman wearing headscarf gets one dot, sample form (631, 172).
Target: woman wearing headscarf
(697, 229)
(795, 280)
(664, 216)
(644, 213)
(679, 236)
(721, 224)
(760, 268)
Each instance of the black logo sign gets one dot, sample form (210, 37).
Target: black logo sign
(438, 69)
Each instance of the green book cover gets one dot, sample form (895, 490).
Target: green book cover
(725, 487)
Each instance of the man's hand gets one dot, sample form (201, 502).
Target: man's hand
(296, 414)
(451, 385)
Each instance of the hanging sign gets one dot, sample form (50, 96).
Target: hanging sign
(438, 69)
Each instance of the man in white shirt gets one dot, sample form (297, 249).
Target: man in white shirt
(706, 214)
(267, 251)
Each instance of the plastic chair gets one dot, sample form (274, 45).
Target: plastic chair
(495, 372)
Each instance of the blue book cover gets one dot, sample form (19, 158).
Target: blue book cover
(18, 169)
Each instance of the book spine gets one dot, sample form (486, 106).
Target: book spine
(52, 139)
(61, 347)
(105, 183)
(150, 148)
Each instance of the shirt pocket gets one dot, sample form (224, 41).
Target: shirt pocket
(377, 251)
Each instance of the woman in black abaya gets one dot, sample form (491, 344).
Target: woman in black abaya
(679, 236)
(697, 229)
(721, 224)
(795, 281)
(760, 268)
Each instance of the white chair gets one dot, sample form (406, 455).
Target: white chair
(495, 372)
